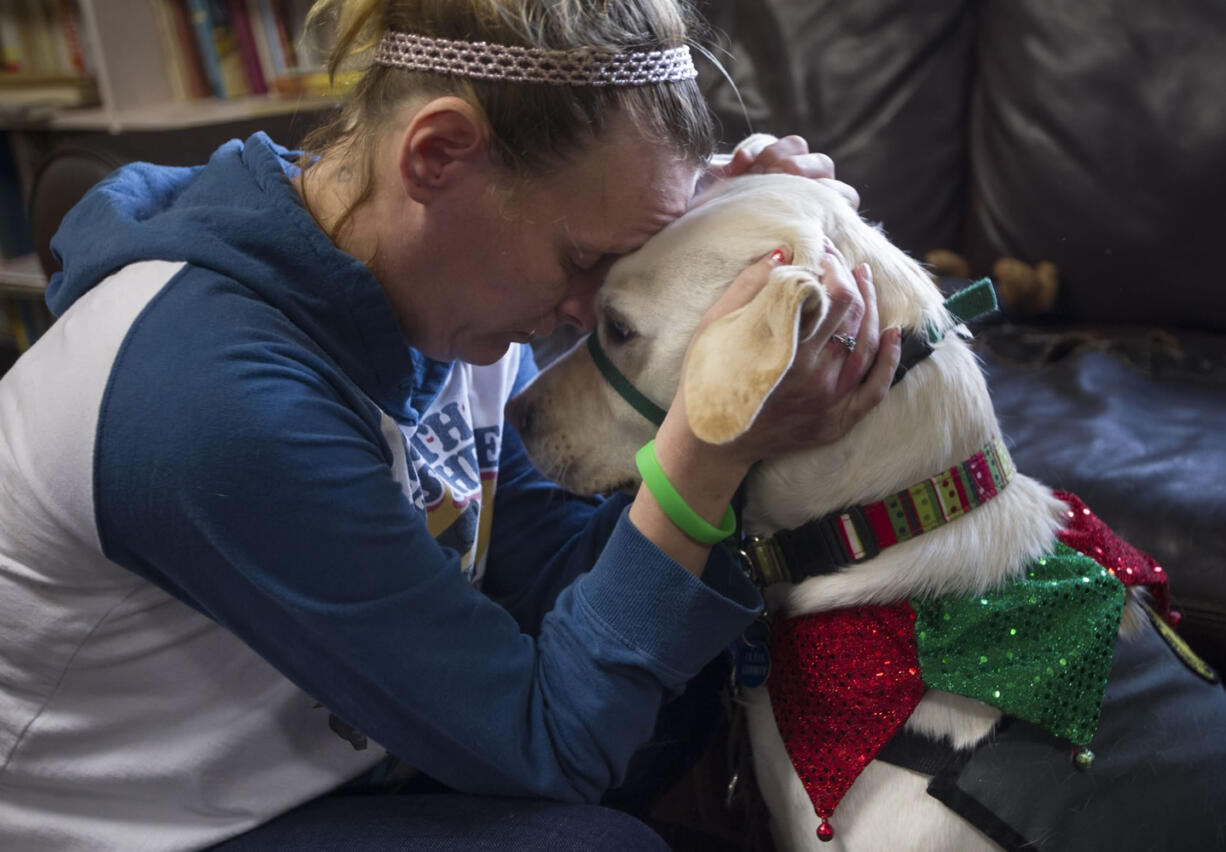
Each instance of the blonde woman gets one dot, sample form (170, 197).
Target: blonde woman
(263, 530)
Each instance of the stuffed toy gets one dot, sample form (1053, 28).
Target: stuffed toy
(1024, 290)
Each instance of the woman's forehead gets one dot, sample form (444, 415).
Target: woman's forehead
(622, 191)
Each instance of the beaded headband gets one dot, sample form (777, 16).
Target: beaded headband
(485, 61)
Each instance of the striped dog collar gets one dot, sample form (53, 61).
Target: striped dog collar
(861, 532)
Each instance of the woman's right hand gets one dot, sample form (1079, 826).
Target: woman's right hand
(828, 388)
(824, 393)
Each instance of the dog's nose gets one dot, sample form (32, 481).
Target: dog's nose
(519, 414)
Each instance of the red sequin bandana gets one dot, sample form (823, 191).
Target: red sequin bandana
(844, 682)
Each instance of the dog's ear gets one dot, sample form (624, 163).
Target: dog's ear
(737, 361)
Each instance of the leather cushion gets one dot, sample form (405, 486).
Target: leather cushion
(882, 86)
(1145, 455)
(1098, 142)
(1156, 782)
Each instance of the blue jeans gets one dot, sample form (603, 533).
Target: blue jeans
(445, 822)
(427, 817)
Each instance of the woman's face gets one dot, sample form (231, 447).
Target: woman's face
(524, 258)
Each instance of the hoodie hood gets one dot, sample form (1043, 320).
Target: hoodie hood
(240, 217)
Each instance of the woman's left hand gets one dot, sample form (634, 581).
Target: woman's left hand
(764, 154)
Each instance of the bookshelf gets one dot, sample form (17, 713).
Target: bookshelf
(145, 64)
(22, 277)
(161, 80)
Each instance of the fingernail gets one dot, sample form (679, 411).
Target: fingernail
(867, 271)
(778, 256)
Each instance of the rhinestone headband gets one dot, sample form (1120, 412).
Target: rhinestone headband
(485, 61)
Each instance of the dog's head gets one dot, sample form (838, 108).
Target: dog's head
(581, 432)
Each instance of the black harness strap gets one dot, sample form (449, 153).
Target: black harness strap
(917, 752)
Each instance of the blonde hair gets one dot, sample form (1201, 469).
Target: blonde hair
(534, 127)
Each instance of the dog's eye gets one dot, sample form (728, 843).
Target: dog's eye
(617, 331)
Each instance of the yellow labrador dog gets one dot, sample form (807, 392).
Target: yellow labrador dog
(894, 562)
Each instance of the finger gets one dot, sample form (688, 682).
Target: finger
(741, 161)
(841, 286)
(846, 190)
(747, 154)
(813, 166)
(756, 144)
(867, 335)
(747, 284)
(877, 384)
(829, 245)
(834, 321)
(783, 149)
(791, 154)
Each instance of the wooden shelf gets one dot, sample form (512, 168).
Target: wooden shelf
(22, 276)
(174, 115)
(127, 78)
(29, 91)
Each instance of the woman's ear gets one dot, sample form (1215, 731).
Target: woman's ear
(444, 140)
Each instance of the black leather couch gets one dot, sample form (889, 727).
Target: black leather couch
(1091, 134)
(1088, 134)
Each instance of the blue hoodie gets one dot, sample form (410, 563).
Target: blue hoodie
(244, 509)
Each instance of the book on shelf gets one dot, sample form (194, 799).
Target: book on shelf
(69, 17)
(10, 40)
(272, 38)
(42, 62)
(202, 29)
(244, 46)
(248, 53)
(233, 76)
(184, 67)
(40, 38)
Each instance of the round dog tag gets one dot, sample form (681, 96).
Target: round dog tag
(753, 655)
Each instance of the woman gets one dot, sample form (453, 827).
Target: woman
(263, 524)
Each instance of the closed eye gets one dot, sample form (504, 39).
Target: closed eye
(584, 263)
(617, 331)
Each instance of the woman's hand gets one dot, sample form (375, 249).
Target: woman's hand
(824, 393)
(764, 154)
(829, 387)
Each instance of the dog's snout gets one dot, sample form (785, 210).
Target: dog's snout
(519, 413)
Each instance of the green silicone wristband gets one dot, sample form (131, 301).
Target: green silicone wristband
(678, 511)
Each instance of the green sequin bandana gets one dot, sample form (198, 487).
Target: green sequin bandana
(1039, 648)
(843, 682)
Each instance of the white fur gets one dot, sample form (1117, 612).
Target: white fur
(939, 415)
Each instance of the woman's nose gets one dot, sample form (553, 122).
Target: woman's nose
(579, 306)
(519, 412)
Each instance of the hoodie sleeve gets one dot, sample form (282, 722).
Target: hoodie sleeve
(256, 488)
(543, 537)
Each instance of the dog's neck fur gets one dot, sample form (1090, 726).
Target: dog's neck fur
(938, 416)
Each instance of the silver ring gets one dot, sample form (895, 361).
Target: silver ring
(846, 339)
